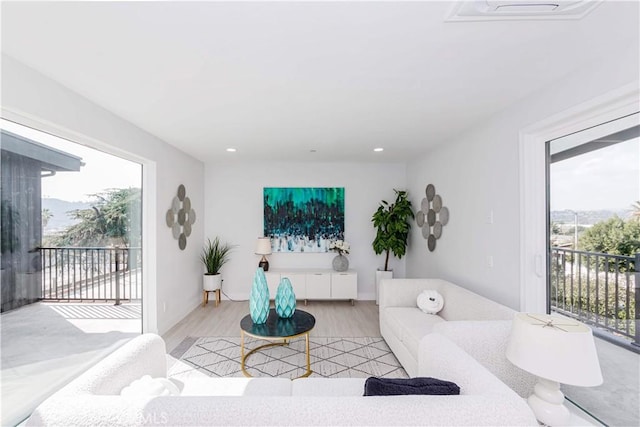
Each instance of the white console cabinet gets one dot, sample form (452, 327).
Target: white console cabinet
(316, 284)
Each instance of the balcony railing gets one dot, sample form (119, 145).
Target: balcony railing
(91, 274)
(598, 289)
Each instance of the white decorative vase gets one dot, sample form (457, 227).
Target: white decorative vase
(381, 274)
(211, 282)
(340, 263)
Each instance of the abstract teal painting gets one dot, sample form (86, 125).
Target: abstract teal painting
(303, 219)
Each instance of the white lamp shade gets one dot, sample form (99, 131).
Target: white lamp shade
(263, 246)
(555, 348)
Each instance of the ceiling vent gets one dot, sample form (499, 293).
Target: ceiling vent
(497, 10)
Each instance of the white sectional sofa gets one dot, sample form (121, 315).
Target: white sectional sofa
(94, 397)
(474, 323)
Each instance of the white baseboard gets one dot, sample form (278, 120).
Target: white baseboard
(369, 296)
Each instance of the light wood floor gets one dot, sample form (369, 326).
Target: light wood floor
(333, 319)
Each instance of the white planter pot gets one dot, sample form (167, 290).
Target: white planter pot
(381, 274)
(211, 282)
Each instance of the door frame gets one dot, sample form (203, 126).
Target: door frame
(533, 183)
(148, 227)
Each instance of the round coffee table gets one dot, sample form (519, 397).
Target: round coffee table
(279, 330)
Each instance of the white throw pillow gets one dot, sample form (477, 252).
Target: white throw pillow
(147, 386)
(430, 301)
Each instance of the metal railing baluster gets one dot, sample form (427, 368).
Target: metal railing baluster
(90, 274)
(564, 280)
(590, 298)
(597, 307)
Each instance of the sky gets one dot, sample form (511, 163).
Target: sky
(101, 170)
(608, 178)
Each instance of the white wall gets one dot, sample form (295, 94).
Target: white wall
(478, 173)
(173, 275)
(234, 209)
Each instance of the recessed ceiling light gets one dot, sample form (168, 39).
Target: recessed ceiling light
(377, 150)
(231, 150)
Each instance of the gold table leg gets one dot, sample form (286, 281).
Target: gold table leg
(308, 357)
(242, 350)
(244, 357)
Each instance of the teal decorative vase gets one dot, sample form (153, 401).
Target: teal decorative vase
(285, 299)
(285, 327)
(259, 298)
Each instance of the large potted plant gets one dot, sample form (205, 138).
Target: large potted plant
(214, 255)
(391, 221)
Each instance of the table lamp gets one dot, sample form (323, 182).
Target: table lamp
(557, 350)
(263, 247)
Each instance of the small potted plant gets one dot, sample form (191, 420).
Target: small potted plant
(392, 231)
(214, 255)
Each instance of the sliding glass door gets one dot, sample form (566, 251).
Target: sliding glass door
(594, 254)
(71, 262)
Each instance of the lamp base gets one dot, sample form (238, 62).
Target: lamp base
(547, 403)
(264, 264)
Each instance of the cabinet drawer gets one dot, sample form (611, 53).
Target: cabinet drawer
(318, 286)
(344, 286)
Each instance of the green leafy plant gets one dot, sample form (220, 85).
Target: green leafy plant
(215, 254)
(392, 227)
(113, 218)
(614, 236)
(635, 212)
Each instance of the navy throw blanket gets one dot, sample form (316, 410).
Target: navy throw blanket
(400, 386)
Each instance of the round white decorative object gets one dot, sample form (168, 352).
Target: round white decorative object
(430, 301)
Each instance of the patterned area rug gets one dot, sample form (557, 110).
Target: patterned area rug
(330, 358)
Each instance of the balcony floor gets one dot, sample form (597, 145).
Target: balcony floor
(45, 345)
(617, 401)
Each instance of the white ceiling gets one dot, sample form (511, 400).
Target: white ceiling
(276, 80)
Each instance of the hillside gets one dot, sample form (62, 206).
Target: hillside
(59, 208)
(588, 217)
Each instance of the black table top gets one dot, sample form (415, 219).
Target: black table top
(277, 327)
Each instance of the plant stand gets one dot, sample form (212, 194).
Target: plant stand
(205, 296)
